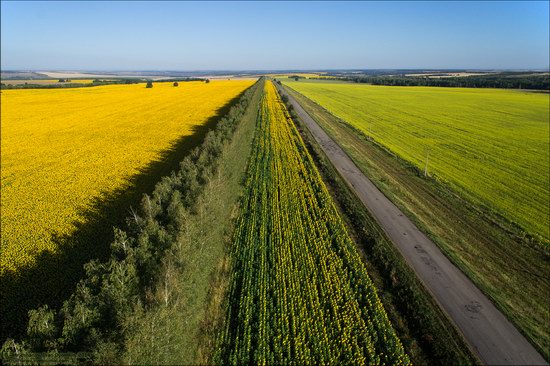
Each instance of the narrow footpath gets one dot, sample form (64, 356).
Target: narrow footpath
(491, 335)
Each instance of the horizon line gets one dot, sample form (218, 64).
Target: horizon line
(272, 70)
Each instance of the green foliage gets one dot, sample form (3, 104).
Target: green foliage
(42, 328)
(179, 80)
(14, 353)
(505, 80)
(296, 77)
(95, 82)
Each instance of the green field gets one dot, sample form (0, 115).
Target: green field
(491, 145)
(499, 263)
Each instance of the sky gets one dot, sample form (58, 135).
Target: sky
(307, 35)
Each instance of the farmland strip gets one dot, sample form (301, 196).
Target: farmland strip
(299, 293)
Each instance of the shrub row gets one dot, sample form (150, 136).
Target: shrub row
(94, 318)
(65, 85)
(502, 80)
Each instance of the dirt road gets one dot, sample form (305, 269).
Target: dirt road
(490, 334)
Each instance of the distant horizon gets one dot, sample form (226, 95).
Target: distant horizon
(38, 70)
(307, 35)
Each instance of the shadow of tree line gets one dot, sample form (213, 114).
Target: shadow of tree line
(52, 279)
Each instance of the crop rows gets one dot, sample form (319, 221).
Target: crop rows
(299, 290)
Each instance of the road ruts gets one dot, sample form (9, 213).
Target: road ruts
(490, 334)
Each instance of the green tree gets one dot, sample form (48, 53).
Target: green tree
(42, 329)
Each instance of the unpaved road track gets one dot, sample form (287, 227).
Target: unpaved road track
(490, 334)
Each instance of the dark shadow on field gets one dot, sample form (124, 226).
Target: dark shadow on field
(54, 276)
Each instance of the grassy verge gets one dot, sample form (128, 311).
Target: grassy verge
(514, 275)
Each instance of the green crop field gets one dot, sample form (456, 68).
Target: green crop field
(491, 145)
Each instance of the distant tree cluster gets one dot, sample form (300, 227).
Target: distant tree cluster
(117, 81)
(501, 80)
(178, 80)
(296, 77)
(325, 78)
(65, 84)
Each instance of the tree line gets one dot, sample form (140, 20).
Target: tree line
(175, 81)
(68, 84)
(501, 80)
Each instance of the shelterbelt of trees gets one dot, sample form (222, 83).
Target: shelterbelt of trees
(68, 83)
(507, 80)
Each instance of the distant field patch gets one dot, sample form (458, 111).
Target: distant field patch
(300, 74)
(64, 148)
(493, 145)
(47, 81)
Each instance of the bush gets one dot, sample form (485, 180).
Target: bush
(149, 84)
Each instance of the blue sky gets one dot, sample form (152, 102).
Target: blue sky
(273, 35)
